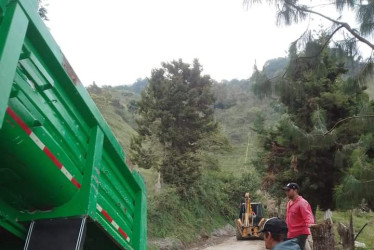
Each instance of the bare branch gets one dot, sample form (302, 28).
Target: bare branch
(345, 25)
(346, 119)
(306, 57)
(367, 181)
(323, 46)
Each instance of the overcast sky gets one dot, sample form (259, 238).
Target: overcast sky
(115, 42)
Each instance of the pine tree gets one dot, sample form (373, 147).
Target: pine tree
(316, 143)
(176, 113)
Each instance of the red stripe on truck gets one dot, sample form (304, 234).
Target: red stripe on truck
(52, 157)
(40, 144)
(75, 183)
(18, 120)
(112, 222)
(106, 215)
(122, 233)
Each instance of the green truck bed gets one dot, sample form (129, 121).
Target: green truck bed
(58, 157)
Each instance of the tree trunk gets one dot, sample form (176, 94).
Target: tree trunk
(347, 234)
(323, 236)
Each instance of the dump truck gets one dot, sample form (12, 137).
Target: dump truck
(64, 181)
(250, 220)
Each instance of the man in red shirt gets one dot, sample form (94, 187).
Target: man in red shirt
(299, 216)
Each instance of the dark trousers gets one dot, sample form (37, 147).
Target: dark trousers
(301, 239)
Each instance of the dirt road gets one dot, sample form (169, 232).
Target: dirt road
(231, 243)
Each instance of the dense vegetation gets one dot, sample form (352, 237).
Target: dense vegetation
(200, 144)
(324, 139)
(232, 158)
(224, 174)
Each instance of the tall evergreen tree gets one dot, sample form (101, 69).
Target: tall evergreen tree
(317, 140)
(176, 112)
(260, 84)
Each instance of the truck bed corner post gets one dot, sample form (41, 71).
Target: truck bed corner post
(12, 35)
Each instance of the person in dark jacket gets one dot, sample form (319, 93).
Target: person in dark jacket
(275, 235)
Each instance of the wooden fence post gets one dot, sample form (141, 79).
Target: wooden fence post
(323, 236)
(347, 234)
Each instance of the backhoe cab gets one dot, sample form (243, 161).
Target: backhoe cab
(250, 220)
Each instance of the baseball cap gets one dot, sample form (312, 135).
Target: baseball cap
(275, 225)
(291, 185)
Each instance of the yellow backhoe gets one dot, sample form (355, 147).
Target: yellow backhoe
(250, 220)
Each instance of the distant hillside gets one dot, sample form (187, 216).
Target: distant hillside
(118, 107)
(275, 67)
(137, 87)
(236, 109)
